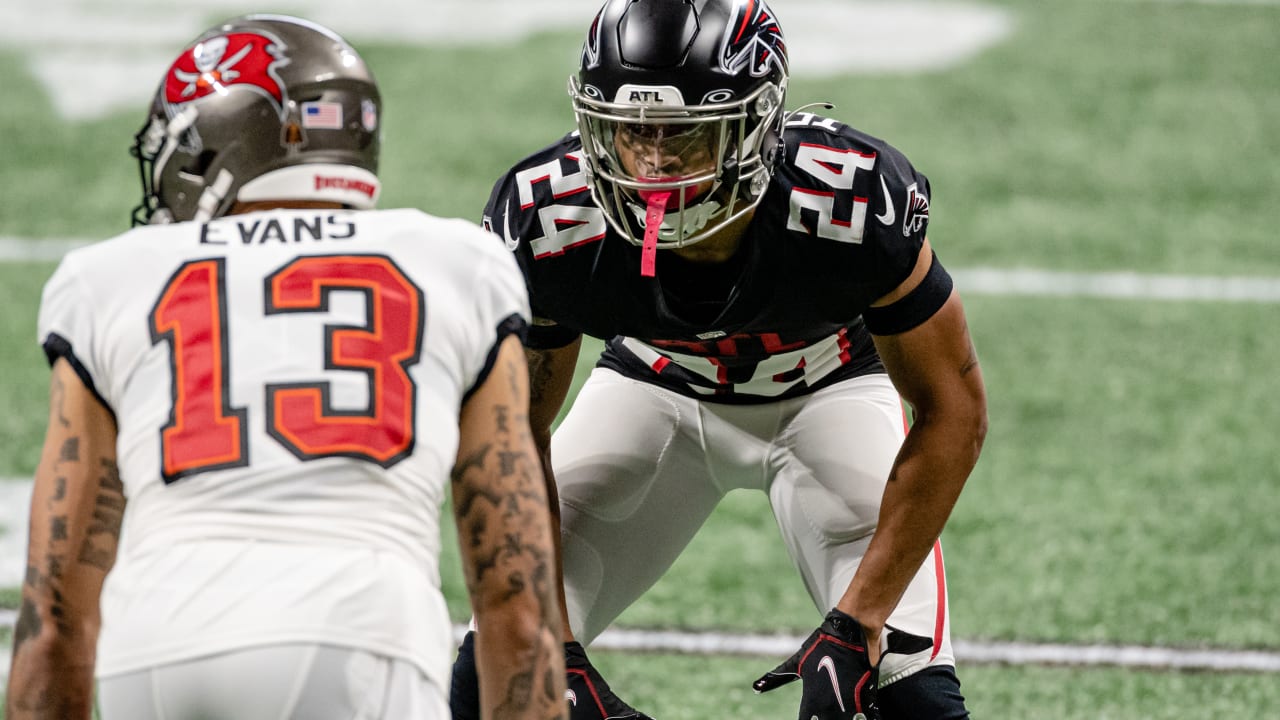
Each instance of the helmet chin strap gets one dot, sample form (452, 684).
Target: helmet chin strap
(655, 210)
(212, 197)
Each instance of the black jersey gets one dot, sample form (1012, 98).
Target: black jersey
(840, 225)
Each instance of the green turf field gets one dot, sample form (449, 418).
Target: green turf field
(1128, 491)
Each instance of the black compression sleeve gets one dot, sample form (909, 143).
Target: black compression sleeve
(913, 308)
(550, 337)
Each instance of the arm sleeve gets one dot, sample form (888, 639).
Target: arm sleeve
(913, 308)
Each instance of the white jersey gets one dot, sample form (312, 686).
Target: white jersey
(286, 387)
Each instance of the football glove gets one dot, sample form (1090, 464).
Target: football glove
(588, 694)
(839, 682)
(464, 690)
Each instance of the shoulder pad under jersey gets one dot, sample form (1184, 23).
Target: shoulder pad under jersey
(844, 185)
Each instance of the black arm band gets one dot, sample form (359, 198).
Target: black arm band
(550, 337)
(913, 308)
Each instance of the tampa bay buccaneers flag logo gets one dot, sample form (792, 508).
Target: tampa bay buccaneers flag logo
(753, 40)
(247, 59)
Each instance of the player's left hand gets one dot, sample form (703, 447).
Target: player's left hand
(838, 677)
(590, 697)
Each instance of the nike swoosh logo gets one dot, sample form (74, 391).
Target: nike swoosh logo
(888, 216)
(513, 243)
(826, 663)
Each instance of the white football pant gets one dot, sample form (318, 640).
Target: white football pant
(640, 469)
(275, 682)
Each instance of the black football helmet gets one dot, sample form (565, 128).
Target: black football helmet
(683, 98)
(260, 107)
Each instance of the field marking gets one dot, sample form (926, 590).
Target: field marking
(15, 498)
(1254, 3)
(18, 249)
(15, 510)
(967, 652)
(117, 43)
(971, 281)
(1116, 285)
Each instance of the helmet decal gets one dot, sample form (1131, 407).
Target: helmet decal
(591, 48)
(249, 59)
(752, 40)
(228, 123)
(917, 211)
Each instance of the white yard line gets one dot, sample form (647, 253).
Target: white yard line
(124, 40)
(15, 494)
(970, 281)
(1116, 285)
(18, 249)
(1255, 3)
(975, 652)
(15, 507)
(967, 652)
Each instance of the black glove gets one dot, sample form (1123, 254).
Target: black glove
(464, 692)
(839, 680)
(589, 695)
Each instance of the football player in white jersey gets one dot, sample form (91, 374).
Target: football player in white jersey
(260, 401)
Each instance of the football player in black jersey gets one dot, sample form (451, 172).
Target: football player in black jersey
(769, 298)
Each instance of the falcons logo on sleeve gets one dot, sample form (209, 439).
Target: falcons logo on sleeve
(917, 214)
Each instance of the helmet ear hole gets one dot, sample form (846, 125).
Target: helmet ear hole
(199, 164)
(771, 149)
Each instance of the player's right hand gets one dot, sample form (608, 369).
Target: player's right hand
(839, 681)
(589, 695)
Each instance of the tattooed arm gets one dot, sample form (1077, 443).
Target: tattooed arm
(508, 551)
(76, 509)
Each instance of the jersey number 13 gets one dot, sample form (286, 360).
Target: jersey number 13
(205, 432)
